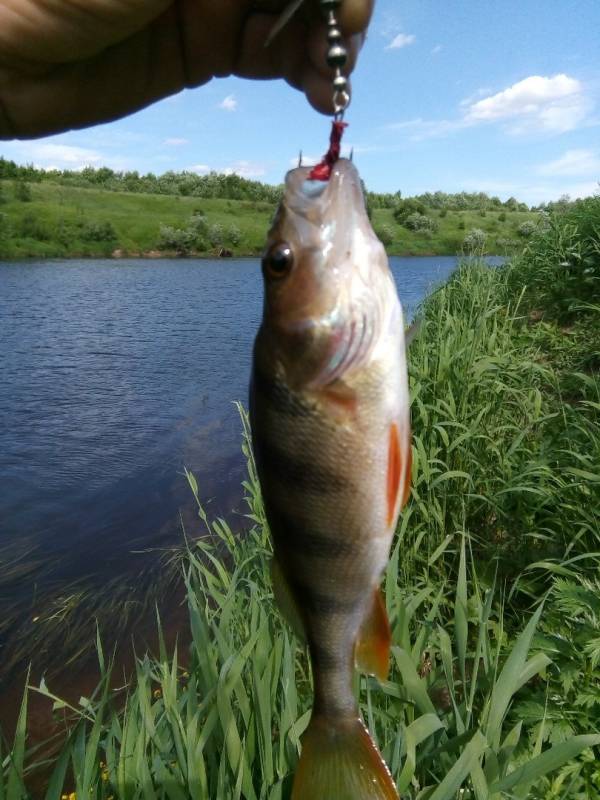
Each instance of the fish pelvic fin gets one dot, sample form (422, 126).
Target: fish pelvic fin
(372, 651)
(286, 602)
(340, 761)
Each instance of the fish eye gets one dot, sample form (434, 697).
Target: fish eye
(278, 261)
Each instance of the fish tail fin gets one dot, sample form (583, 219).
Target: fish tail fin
(340, 761)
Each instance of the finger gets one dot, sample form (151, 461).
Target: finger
(355, 15)
(62, 31)
(146, 67)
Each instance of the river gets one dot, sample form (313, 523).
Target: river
(115, 376)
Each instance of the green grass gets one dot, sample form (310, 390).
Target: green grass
(502, 236)
(59, 212)
(53, 223)
(491, 589)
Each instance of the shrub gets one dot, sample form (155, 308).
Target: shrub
(474, 241)
(385, 235)
(22, 191)
(30, 227)
(561, 264)
(175, 239)
(461, 225)
(404, 208)
(419, 222)
(443, 212)
(482, 212)
(526, 229)
(95, 231)
(502, 216)
(216, 235)
(233, 235)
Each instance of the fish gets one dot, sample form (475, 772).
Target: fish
(330, 423)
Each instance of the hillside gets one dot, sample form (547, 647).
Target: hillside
(51, 216)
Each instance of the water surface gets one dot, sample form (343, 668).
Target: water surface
(116, 375)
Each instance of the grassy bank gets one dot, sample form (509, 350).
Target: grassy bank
(492, 588)
(47, 219)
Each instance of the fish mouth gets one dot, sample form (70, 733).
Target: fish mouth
(303, 192)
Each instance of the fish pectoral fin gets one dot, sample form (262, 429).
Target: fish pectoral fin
(372, 651)
(286, 601)
(340, 761)
(340, 399)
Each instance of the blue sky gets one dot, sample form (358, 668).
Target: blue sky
(500, 97)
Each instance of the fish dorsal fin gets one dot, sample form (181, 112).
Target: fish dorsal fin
(339, 761)
(286, 601)
(372, 651)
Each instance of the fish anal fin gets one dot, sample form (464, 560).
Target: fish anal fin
(372, 651)
(394, 472)
(340, 761)
(285, 600)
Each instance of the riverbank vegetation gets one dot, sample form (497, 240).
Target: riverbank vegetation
(492, 588)
(101, 213)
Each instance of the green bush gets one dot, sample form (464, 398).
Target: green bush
(419, 222)
(502, 216)
(30, 227)
(170, 238)
(474, 242)
(98, 231)
(404, 208)
(526, 229)
(22, 191)
(561, 264)
(385, 234)
(233, 236)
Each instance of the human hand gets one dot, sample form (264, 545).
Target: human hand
(72, 63)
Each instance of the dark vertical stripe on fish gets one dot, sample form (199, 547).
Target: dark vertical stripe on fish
(321, 603)
(294, 535)
(302, 475)
(278, 395)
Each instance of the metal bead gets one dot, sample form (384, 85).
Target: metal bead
(334, 35)
(337, 56)
(340, 83)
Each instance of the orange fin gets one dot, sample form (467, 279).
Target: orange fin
(286, 601)
(340, 761)
(394, 472)
(372, 652)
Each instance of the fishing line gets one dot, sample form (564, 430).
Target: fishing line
(337, 56)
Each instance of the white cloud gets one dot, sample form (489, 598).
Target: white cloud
(534, 105)
(401, 40)
(199, 169)
(573, 162)
(229, 103)
(176, 141)
(555, 104)
(437, 49)
(245, 169)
